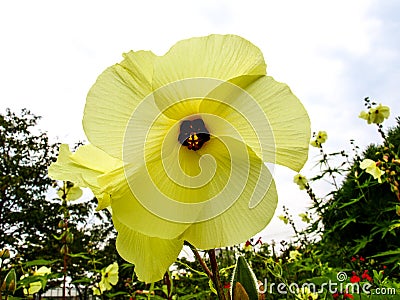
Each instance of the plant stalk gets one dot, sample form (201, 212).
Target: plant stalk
(215, 278)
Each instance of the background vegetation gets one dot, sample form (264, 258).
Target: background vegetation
(352, 231)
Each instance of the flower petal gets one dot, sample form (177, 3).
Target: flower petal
(114, 97)
(151, 256)
(73, 193)
(83, 168)
(366, 163)
(129, 210)
(268, 117)
(223, 57)
(248, 215)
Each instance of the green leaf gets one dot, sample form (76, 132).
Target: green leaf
(211, 285)
(319, 280)
(114, 295)
(201, 295)
(191, 269)
(386, 253)
(350, 202)
(243, 275)
(81, 255)
(82, 280)
(40, 262)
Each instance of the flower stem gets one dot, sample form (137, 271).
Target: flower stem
(200, 260)
(213, 274)
(216, 279)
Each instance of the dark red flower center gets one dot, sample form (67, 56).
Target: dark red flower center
(193, 134)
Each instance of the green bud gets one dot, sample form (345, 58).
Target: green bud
(64, 250)
(5, 253)
(244, 282)
(69, 238)
(61, 224)
(10, 282)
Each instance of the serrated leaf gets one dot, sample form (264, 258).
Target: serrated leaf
(246, 278)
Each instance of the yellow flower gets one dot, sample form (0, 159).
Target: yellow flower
(375, 114)
(178, 145)
(319, 139)
(284, 219)
(36, 286)
(301, 181)
(70, 191)
(305, 218)
(109, 276)
(294, 255)
(175, 275)
(370, 167)
(305, 294)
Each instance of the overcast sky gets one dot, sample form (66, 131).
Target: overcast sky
(331, 53)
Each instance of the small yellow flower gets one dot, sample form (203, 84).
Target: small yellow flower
(371, 168)
(305, 294)
(301, 181)
(109, 276)
(375, 114)
(304, 217)
(175, 275)
(294, 255)
(36, 286)
(319, 139)
(284, 219)
(70, 191)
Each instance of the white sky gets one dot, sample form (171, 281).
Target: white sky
(331, 53)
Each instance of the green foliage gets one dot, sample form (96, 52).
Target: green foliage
(33, 226)
(361, 216)
(351, 238)
(24, 158)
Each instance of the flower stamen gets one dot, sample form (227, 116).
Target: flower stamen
(193, 134)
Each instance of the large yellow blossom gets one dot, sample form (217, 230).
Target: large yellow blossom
(178, 144)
